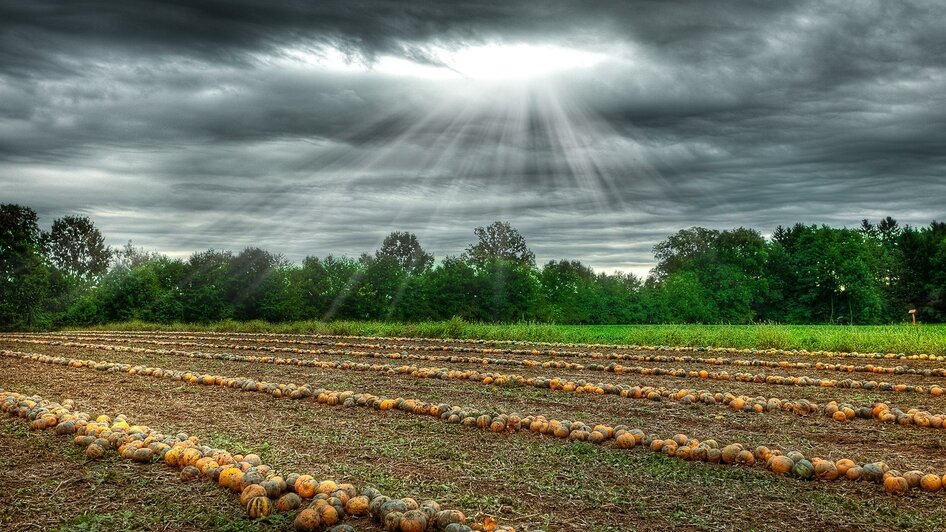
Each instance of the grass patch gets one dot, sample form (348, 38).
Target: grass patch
(901, 338)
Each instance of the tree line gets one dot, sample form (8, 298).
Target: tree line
(802, 274)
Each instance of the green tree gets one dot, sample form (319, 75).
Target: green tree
(454, 291)
(24, 274)
(404, 250)
(76, 247)
(729, 266)
(247, 281)
(499, 241)
(327, 286)
(569, 288)
(508, 291)
(204, 290)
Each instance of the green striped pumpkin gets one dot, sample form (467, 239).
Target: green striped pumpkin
(259, 507)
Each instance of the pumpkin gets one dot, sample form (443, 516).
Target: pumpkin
(896, 485)
(430, 509)
(392, 521)
(288, 502)
(781, 465)
(205, 464)
(342, 528)
(803, 469)
(224, 479)
(259, 507)
(189, 457)
(825, 470)
(252, 459)
(410, 503)
(94, 451)
(337, 503)
(873, 472)
(413, 521)
(931, 483)
(745, 458)
(235, 481)
(457, 527)
(307, 520)
(251, 492)
(173, 456)
(274, 487)
(326, 487)
(730, 452)
(329, 515)
(626, 441)
(357, 506)
(251, 476)
(375, 506)
(447, 517)
(305, 486)
(913, 478)
(142, 456)
(795, 456)
(854, 473)
(291, 480)
(189, 473)
(394, 505)
(843, 465)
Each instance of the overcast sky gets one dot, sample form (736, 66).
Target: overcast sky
(595, 128)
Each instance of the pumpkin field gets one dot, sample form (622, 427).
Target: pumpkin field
(116, 430)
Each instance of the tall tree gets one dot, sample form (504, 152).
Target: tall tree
(24, 275)
(247, 281)
(728, 267)
(77, 247)
(204, 289)
(499, 241)
(403, 249)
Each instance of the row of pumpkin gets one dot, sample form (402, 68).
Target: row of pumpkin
(622, 437)
(481, 346)
(613, 367)
(318, 505)
(838, 411)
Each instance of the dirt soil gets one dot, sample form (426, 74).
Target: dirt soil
(530, 481)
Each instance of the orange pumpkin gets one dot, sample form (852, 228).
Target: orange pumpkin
(305, 486)
(288, 502)
(825, 470)
(854, 473)
(745, 458)
(896, 485)
(626, 441)
(730, 452)
(251, 492)
(224, 479)
(413, 521)
(326, 487)
(307, 520)
(781, 464)
(931, 483)
(843, 465)
(357, 506)
(329, 515)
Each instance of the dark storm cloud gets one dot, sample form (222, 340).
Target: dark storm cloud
(187, 125)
